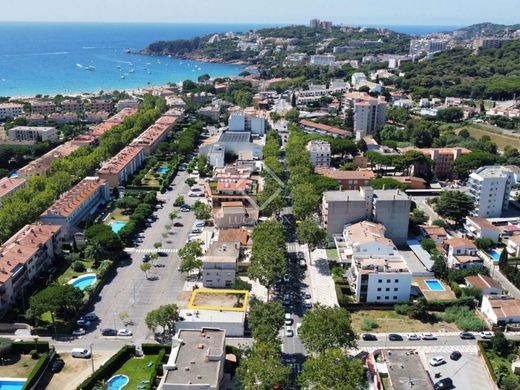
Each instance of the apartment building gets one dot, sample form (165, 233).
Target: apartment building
(426, 46)
(44, 107)
(319, 152)
(388, 207)
(155, 134)
(23, 257)
(122, 166)
(490, 188)
(77, 204)
(102, 105)
(322, 59)
(9, 185)
(33, 134)
(217, 156)
(10, 110)
(127, 103)
(369, 116)
(196, 360)
(477, 227)
(234, 214)
(487, 43)
(72, 105)
(249, 120)
(320, 128)
(442, 157)
(219, 265)
(348, 180)
(63, 118)
(462, 253)
(513, 246)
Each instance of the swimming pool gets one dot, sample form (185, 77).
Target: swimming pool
(11, 384)
(494, 254)
(163, 170)
(117, 382)
(116, 226)
(434, 285)
(83, 281)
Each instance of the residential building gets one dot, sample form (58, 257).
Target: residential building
(442, 157)
(462, 253)
(487, 43)
(9, 185)
(63, 117)
(388, 207)
(127, 103)
(426, 46)
(196, 360)
(235, 142)
(323, 59)
(477, 227)
(513, 246)
(230, 189)
(486, 284)
(122, 166)
(348, 180)
(75, 205)
(369, 117)
(35, 119)
(490, 188)
(104, 105)
(23, 257)
(296, 57)
(10, 110)
(436, 233)
(232, 322)
(96, 116)
(155, 134)
(500, 309)
(219, 265)
(234, 215)
(210, 112)
(217, 156)
(411, 182)
(358, 79)
(249, 120)
(72, 105)
(43, 107)
(242, 235)
(319, 152)
(33, 134)
(320, 128)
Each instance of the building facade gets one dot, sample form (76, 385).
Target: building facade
(10, 110)
(319, 152)
(122, 166)
(33, 133)
(219, 265)
(490, 188)
(369, 116)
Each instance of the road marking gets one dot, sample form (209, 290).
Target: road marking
(151, 250)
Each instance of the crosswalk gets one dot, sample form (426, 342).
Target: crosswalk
(151, 250)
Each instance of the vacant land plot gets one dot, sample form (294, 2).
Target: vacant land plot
(17, 366)
(218, 299)
(500, 139)
(390, 321)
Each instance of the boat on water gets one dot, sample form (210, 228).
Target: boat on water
(149, 72)
(90, 67)
(79, 66)
(123, 77)
(132, 71)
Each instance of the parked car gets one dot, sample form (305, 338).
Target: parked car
(414, 337)
(79, 332)
(443, 384)
(288, 319)
(146, 258)
(185, 208)
(486, 334)
(196, 230)
(289, 332)
(455, 355)
(178, 224)
(307, 303)
(437, 361)
(124, 332)
(57, 365)
(298, 329)
(108, 332)
(466, 335)
(395, 337)
(83, 323)
(199, 224)
(428, 336)
(302, 263)
(286, 299)
(307, 295)
(286, 278)
(92, 316)
(80, 353)
(369, 337)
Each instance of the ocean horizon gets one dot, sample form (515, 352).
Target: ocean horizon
(51, 58)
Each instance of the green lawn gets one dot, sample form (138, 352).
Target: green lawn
(116, 215)
(70, 274)
(17, 366)
(137, 370)
(332, 254)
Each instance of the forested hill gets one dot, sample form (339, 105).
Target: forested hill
(486, 29)
(492, 73)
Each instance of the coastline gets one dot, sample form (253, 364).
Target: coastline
(194, 57)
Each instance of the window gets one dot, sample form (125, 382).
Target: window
(378, 297)
(388, 280)
(387, 297)
(395, 289)
(380, 281)
(396, 280)
(395, 297)
(387, 289)
(379, 289)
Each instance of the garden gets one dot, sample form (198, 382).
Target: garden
(498, 354)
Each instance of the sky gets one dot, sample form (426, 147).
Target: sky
(378, 12)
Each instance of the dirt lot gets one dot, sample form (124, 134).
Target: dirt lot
(76, 371)
(17, 366)
(220, 300)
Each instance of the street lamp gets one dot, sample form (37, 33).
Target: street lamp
(92, 358)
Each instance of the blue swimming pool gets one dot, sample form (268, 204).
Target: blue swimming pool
(84, 281)
(116, 226)
(11, 384)
(117, 382)
(163, 170)
(495, 255)
(434, 285)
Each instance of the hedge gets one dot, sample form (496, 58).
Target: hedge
(106, 371)
(484, 355)
(24, 347)
(37, 371)
(441, 305)
(158, 365)
(154, 349)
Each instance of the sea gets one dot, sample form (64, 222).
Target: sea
(52, 58)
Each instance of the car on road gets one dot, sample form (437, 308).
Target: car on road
(192, 194)
(196, 230)
(199, 224)
(443, 384)
(289, 332)
(108, 332)
(146, 258)
(414, 337)
(428, 336)
(83, 323)
(57, 365)
(92, 316)
(178, 224)
(486, 335)
(288, 319)
(286, 299)
(286, 278)
(124, 332)
(395, 337)
(79, 332)
(307, 303)
(369, 337)
(466, 335)
(455, 355)
(437, 361)
(162, 254)
(185, 208)
(80, 353)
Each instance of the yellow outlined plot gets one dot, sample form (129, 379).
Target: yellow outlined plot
(206, 291)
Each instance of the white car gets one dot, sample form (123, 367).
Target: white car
(298, 329)
(124, 332)
(79, 332)
(428, 336)
(414, 337)
(288, 319)
(437, 361)
(486, 335)
(307, 303)
(289, 332)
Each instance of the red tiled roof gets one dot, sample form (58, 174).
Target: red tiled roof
(326, 128)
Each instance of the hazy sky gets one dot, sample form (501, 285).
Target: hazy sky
(410, 12)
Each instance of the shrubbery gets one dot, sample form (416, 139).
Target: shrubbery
(464, 317)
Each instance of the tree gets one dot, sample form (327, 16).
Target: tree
(265, 320)
(387, 183)
(309, 232)
(439, 268)
(190, 257)
(201, 210)
(483, 243)
(418, 217)
(292, 115)
(441, 223)
(333, 370)
(104, 236)
(145, 267)
(173, 215)
(503, 261)
(428, 244)
(501, 344)
(179, 201)
(165, 316)
(324, 328)
(306, 200)
(6, 345)
(464, 164)
(454, 205)
(261, 368)
(362, 145)
(61, 300)
(94, 251)
(450, 114)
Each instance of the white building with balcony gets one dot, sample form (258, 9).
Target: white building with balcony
(490, 188)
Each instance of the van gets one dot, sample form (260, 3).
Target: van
(80, 353)
(90, 316)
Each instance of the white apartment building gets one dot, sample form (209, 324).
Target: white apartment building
(426, 46)
(10, 110)
(490, 188)
(477, 227)
(247, 120)
(323, 59)
(216, 156)
(219, 265)
(462, 253)
(319, 152)
(358, 79)
(32, 133)
(369, 116)
(513, 246)
(127, 103)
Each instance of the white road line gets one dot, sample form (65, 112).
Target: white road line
(151, 250)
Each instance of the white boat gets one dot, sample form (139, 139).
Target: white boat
(79, 66)
(123, 76)
(132, 70)
(90, 67)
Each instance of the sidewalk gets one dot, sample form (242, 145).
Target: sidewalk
(322, 286)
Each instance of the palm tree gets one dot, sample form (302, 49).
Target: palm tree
(94, 251)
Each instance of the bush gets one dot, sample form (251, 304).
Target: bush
(36, 372)
(78, 266)
(34, 354)
(369, 324)
(402, 309)
(25, 347)
(464, 317)
(6, 346)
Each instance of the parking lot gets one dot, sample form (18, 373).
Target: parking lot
(468, 373)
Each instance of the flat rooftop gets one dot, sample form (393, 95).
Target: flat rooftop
(405, 370)
(210, 316)
(235, 136)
